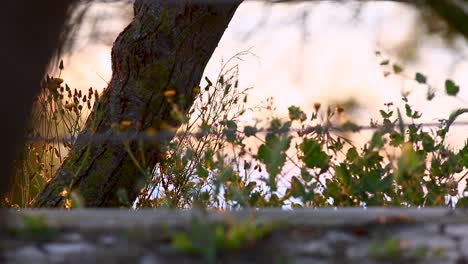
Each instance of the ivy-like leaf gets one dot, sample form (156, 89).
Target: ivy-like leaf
(352, 154)
(371, 181)
(297, 189)
(295, 113)
(273, 154)
(376, 140)
(314, 157)
(230, 130)
(428, 142)
(451, 88)
(420, 78)
(305, 175)
(397, 68)
(385, 114)
(250, 131)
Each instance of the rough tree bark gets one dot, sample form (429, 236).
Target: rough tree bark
(454, 12)
(165, 48)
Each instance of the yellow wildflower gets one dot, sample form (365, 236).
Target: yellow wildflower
(317, 106)
(125, 124)
(169, 93)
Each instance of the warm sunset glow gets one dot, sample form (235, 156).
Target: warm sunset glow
(333, 62)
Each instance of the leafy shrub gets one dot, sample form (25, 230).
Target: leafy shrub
(305, 161)
(215, 161)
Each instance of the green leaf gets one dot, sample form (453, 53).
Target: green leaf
(201, 171)
(420, 78)
(295, 113)
(227, 174)
(371, 181)
(435, 167)
(451, 88)
(314, 157)
(205, 196)
(342, 174)
(250, 131)
(297, 189)
(376, 140)
(428, 142)
(273, 154)
(401, 123)
(384, 62)
(305, 175)
(409, 163)
(229, 124)
(397, 68)
(464, 155)
(385, 114)
(409, 111)
(230, 131)
(396, 139)
(352, 154)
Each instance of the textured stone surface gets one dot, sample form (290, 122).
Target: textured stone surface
(376, 235)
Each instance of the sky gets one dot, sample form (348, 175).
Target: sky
(326, 54)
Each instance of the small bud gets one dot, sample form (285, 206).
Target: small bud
(150, 132)
(339, 109)
(125, 124)
(317, 106)
(69, 106)
(169, 93)
(64, 192)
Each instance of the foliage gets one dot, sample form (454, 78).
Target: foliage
(302, 160)
(305, 161)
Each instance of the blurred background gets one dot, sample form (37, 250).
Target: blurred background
(308, 52)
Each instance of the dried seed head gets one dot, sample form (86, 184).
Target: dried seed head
(317, 106)
(339, 109)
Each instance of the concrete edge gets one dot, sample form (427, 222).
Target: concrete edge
(323, 217)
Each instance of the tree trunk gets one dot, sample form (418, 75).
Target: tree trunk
(455, 13)
(156, 61)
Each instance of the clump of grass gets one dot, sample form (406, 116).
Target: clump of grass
(58, 115)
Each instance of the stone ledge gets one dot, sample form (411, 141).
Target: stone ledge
(347, 235)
